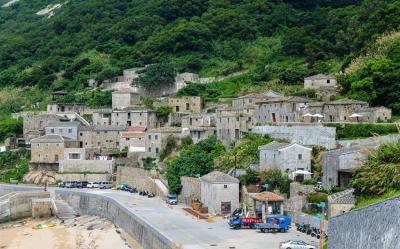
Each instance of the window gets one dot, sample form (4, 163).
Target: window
(69, 131)
(328, 81)
(177, 108)
(127, 139)
(38, 155)
(156, 137)
(149, 137)
(225, 186)
(300, 156)
(74, 156)
(187, 106)
(157, 150)
(52, 131)
(56, 158)
(149, 149)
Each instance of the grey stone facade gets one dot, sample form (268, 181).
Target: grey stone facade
(34, 125)
(339, 165)
(285, 157)
(125, 98)
(371, 227)
(320, 81)
(129, 117)
(186, 104)
(66, 129)
(307, 135)
(191, 190)
(341, 202)
(233, 124)
(219, 192)
(199, 126)
(67, 108)
(102, 137)
(156, 139)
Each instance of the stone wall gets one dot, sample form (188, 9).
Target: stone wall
(64, 177)
(302, 134)
(374, 226)
(18, 205)
(92, 166)
(191, 190)
(368, 142)
(85, 203)
(296, 188)
(138, 178)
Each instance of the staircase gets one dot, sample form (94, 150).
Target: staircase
(81, 119)
(63, 211)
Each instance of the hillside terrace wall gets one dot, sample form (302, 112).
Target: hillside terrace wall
(368, 142)
(105, 207)
(374, 226)
(303, 134)
(93, 166)
(138, 178)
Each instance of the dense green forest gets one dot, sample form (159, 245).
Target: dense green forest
(277, 42)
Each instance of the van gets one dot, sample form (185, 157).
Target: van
(105, 185)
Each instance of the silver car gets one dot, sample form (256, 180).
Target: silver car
(295, 244)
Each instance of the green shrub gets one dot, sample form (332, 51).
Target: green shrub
(276, 180)
(352, 131)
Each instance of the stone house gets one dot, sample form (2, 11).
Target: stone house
(134, 139)
(280, 110)
(248, 100)
(34, 125)
(124, 98)
(48, 150)
(124, 81)
(102, 137)
(85, 164)
(182, 78)
(129, 116)
(199, 126)
(374, 115)
(341, 202)
(186, 104)
(233, 124)
(67, 108)
(286, 157)
(320, 81)
(199, 120)
(219, 192)
(66, 129)
(338, 165)
(156, 139)
(341, 110)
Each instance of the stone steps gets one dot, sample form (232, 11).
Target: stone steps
(63, 210)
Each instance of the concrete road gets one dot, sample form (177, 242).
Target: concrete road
(191, 233)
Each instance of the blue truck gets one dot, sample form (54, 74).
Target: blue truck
(275, 223)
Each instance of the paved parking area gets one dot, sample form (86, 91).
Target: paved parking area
(192, 233)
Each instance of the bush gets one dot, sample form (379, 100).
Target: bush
(276, 180)
(169, 147)
(352, 131)
(163, 112)
(148, 163)
(380, 173)
(251, 177)
(156, 75)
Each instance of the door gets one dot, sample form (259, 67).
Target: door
(273, 117)
(226, 207)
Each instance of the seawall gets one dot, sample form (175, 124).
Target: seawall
(86, 203)
(372, 227)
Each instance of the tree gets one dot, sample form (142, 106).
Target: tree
(157, 75)
(195, 159)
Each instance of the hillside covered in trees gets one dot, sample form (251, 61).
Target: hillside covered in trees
(279, 41)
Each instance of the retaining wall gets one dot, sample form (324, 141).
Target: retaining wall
(371, 227)
(105, 207)
(368, 142)
(19, 205)
(304, 134)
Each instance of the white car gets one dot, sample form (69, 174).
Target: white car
(93, 185)
(295, 244)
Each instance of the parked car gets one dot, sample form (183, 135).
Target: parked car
(93, 185)
(61, 185)
(67, 184)
(295, 244)
(105, 185)
(74, 184)
(172, 199)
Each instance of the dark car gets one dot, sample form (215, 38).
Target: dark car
(74, 184)
(84, 184)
